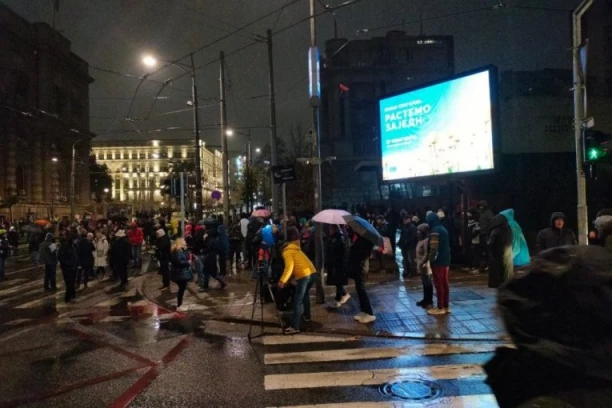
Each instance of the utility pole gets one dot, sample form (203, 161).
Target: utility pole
(315, 102)
(273, 151)
(579, 111)
(182, 176)
(224, 158)
(73, 179)
(196, 129)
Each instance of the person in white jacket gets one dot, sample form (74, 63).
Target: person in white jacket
(100, 253)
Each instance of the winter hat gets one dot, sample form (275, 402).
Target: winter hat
(120, 233)
(160, 233)
(49, 237)
(423, 228)
(89, 235)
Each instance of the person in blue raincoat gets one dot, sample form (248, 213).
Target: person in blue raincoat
(520, 251)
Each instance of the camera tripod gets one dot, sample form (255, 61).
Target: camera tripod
(262, 281)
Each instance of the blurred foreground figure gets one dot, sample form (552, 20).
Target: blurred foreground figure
(558, 316)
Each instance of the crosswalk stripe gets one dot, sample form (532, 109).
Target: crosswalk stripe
(20, 295)
(468, 401)
(376, 353)
(110, 302)
(369, 377)
(305, 339)
(34, 303)
(12, 282)
(23, 286)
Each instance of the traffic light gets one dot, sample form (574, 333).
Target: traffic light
(597, 146)
(171, 186)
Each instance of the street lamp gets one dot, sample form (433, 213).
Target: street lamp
(257, 150)
(249, 160)
(54, 159)
(151, 61)
(72, 177)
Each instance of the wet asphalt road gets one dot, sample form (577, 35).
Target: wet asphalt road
(115, 349)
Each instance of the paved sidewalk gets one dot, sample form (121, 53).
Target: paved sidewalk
(474, 312)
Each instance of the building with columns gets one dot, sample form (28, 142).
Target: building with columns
(44, 110)
(138, 168)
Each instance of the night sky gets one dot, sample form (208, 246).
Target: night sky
(115, 34)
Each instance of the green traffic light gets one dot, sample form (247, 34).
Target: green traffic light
(594, 154)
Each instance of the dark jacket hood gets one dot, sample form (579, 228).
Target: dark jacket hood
(432, 220)
(544, 311)
(554, 216)
(498, 221)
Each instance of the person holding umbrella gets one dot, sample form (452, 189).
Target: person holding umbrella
(335, 266)
(366, 237)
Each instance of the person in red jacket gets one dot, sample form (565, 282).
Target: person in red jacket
(136, 238)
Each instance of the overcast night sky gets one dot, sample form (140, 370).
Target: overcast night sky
(114, 34)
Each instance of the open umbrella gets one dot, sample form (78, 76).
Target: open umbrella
(261, 213)
(42, 222)
(364, 229)
(331, 217)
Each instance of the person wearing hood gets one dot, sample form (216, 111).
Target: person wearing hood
(211, 253)
(558, 317)
(439, 259)
(335, 250)
(298, 266)
(48, 256)
(485, 216)
(121, 253)
(408, 243)
(224, 248)
(520, 250)
(501, 267)
(603, 226)
(101, 253)
(163, 254)
(85, 251)
(357, 269)
(556, 235)
(422, 252)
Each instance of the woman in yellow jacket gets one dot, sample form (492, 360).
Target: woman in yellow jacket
(299, 266)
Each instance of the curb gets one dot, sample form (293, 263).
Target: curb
(496, 337)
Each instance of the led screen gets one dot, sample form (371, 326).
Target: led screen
(439, 129)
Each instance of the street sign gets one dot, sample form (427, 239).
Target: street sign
(283, 173)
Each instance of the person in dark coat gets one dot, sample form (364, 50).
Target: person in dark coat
(121, 254)
(182, 273)
(13, 239)
(34, 241)
(224, 246)
(383, 229)
(335, 251)
(212, 251)
(85, 251)
(501, 267)
(408, 243)
(162, 244)
(48, 256)
(356, 269)
(558, 317)
(69, 261)
(556, 235)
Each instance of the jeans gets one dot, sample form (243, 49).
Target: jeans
(364, 300)
(340, 292)
(164, 271)
(427, 289)
(136, 249)
(35, 257)
(69, 274)
(2, 267)
(82, 274)
(182, 285)
(205, 272)
(440, 280)
(50, 275)
(301, 300)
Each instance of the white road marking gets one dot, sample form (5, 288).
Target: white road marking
(26, 269)
(28, 285)
(35, 303)
(467, 401)
(377, 353)
(370, 377)
(305, 339)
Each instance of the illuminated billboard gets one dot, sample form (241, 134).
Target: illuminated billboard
(441, 129)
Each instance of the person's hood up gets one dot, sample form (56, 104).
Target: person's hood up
(292, 246)
(555, 216)
(498, 221)
(509, 214)
(544, 311)
(160, 232)
(432, 220)
(49, 237)
(603, 223)
(424, 228)
(120, 233)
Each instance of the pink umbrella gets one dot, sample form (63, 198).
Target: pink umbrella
(261, 213)
(331, 217)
